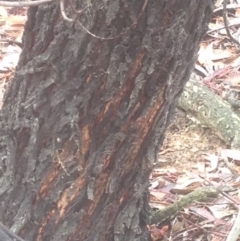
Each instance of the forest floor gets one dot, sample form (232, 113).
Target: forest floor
(186, 142)
(191, 158)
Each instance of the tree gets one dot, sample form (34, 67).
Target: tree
(84, 117)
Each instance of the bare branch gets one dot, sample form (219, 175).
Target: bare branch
(7, 235)
(24, 4)
(123, 32)
(64, 15)
(226, 23)
(220, 28)
(229, 6)
(79, 12)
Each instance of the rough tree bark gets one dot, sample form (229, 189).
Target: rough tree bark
(83, 119)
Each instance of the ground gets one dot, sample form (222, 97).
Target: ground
(186, 142)
(191, 158)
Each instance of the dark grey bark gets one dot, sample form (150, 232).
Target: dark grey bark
(83, 119)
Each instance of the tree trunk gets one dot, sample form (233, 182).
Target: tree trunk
(83, 119)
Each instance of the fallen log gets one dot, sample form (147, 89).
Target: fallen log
(211, 111)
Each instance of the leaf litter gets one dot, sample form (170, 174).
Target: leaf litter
(193, 156)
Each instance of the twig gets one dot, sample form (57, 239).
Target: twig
(226, 23)
(78, 12)
(92, 34)
(194, 196)
(229, 6)
(8, 235)
(24, 4)
(10, 41)
(122, 33)
(64, 15)
(217, 29)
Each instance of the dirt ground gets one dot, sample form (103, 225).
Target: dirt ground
(186, 142)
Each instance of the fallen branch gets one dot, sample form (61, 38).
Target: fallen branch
(211, 111)
(196, 195)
